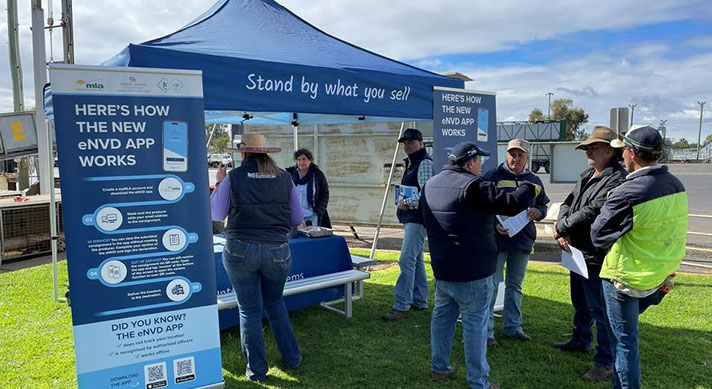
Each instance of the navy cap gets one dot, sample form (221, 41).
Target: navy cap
(644, 138)
(411, 134)
(465, 151)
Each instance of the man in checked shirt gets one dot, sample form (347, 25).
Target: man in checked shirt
(412, 286)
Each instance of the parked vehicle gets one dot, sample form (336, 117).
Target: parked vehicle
(214, 160)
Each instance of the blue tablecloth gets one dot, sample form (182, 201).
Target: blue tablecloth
(310, 257)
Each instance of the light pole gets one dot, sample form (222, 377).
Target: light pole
(632, 111)
(548, 111)
(662, 125)
(699, 133)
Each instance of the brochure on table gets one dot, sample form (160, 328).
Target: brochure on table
(131, 151)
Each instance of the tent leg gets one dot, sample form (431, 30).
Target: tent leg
(53, 221)
(296, 141)
(212, 132)
(385, 194)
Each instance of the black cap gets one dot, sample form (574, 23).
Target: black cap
(411, 134)
(644, 138)
(465, 151)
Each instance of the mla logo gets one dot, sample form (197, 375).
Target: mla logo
(94, 84)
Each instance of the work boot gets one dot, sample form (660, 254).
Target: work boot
(441, 377)
(395, 314)
(415, 308)
(524, 338)
(597, 374)
(492, 342)
(571, 345)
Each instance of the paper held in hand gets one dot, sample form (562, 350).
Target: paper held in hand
(404, 192)
(574, 261)
(515, 223)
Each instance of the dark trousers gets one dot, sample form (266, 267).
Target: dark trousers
(590, 307)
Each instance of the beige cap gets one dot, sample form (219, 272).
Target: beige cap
(520, 144)
(601, 134)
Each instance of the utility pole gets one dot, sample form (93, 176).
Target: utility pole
(68, 31)
(548, 111)
(40, 77)
(18, 99)
(662, 125)
(699, 133)
(632, 111)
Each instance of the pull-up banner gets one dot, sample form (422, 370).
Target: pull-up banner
(131, 151)
(461, 115)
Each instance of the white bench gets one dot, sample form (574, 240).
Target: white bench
(346, 278)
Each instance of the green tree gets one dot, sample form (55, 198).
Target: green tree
(708, 140)
(220, 140)
(563, 109)
(536, 115)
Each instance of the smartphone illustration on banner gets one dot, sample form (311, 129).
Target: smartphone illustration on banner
(482, 124)
(175, 146)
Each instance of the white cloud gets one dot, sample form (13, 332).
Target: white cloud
(417, 29)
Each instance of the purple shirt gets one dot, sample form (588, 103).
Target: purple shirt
(220, 203)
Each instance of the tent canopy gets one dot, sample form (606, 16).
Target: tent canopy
(257, 56)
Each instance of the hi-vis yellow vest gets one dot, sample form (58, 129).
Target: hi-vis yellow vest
(653, 249)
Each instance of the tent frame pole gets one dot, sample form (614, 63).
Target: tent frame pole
(385, 193)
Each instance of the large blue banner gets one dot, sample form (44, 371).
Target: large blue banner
(131, 149)
(461, 115)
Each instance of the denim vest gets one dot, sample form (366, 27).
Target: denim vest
(410, 178)
(260, 205)
(463, 246)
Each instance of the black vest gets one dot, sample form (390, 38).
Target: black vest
(410, 178)
(463, 246)
(259, 205)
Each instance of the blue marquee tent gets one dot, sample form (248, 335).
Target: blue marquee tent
(257, 57)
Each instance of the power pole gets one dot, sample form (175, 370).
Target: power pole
(632, 111)
(662, 125)
(699, 133)
(68, 31)
(548, 111)
(18, 99)
(40, 77)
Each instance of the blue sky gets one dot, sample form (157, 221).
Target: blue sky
(602, 54)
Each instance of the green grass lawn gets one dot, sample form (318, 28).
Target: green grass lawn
(36, 349)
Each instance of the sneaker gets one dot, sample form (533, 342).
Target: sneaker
(571, 345)
(440, 377)
(524, 338)
(395, 314)
(492, 342)
(494, 385)
(597, 374)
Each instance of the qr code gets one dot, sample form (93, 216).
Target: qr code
(155, 375)
(184, 369)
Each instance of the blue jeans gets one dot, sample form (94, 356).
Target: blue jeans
(623, 311)
(516, 261)
(595, 311)
(412, 284)
(471, 301)
(258, 273)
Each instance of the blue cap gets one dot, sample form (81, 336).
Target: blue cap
(644, 138)
(465, 151)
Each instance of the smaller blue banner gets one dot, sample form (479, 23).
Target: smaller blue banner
(460, 115)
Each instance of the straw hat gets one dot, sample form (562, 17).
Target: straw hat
(255, 143)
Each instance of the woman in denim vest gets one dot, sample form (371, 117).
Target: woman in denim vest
(261, 204)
